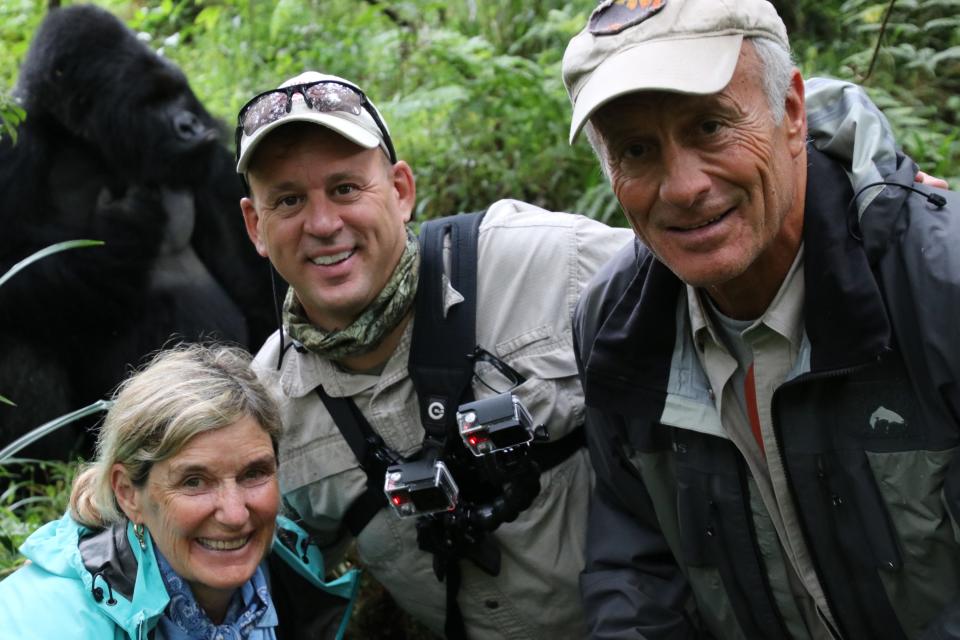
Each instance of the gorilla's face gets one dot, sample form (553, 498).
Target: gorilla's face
(119, 96)
(172, 135)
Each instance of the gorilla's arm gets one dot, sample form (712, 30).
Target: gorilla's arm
(72, 200)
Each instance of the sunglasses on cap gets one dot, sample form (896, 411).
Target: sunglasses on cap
(321, 96)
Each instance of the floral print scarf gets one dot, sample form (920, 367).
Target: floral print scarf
(250, 614)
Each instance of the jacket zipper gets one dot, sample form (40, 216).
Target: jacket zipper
(801, 379)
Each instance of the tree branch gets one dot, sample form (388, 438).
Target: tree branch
(876, 49)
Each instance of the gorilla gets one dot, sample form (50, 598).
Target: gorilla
(115, 147)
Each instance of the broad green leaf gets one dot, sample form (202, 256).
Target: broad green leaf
(947, 55)
(208, 17)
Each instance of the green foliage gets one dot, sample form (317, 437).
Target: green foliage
(11, 116)
(915, 76)
(471, 90)
(33, 493)
(18, 21)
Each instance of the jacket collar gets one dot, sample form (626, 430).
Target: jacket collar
(108, 553)
(844, 314)
(138, 613)
(107, 559)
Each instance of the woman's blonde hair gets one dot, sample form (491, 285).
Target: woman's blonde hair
(182, 392)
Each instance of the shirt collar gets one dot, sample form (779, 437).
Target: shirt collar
(784, 315)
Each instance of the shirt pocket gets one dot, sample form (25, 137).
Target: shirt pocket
(551, 391)
(385, 538)
(318, 460)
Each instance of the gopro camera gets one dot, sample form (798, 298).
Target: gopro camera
(420, 487)
(494, 424)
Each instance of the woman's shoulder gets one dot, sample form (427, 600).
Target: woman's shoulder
(47, 597)
(36, 604)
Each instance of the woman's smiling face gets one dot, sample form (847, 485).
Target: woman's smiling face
(211, 508)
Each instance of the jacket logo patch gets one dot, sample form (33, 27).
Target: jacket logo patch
(885, 422)
(613, 16)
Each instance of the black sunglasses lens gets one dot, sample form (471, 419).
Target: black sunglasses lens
(264, 110)
(330, 96)
(324, 96)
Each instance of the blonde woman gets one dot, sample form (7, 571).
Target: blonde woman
(170, 529)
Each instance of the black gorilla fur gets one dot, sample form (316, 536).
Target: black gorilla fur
(115, 147)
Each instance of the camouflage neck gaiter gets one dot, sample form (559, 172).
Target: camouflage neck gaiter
(371, 327)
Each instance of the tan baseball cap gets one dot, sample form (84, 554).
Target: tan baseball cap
(688, 46)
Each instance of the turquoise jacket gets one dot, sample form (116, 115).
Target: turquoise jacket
(88, 584)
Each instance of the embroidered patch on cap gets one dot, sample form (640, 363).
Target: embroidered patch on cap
(613, 16)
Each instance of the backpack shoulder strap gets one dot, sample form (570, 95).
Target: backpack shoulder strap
(440, 364)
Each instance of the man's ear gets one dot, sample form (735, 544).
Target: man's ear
(251, 220)
(128, 496)
(406, 188)
(795, 114)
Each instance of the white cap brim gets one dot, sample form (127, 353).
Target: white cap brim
(352, 132)
(684, 65)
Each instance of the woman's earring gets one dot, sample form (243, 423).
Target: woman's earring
(138, 531)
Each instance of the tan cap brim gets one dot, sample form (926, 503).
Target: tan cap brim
(698, 65)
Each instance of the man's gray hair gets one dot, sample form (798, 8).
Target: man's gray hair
(777, 70)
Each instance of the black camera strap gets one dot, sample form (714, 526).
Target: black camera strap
(372, 453)
(441, 351)
(440, 362)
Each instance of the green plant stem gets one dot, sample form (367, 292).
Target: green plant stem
(876, 49)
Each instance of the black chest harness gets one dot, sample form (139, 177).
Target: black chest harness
(443, 353)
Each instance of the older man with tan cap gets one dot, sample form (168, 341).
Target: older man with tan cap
(771, 372)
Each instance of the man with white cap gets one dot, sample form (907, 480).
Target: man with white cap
(771, 371)
(329, 205)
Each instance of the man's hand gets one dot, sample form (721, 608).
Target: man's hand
(930, 181)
